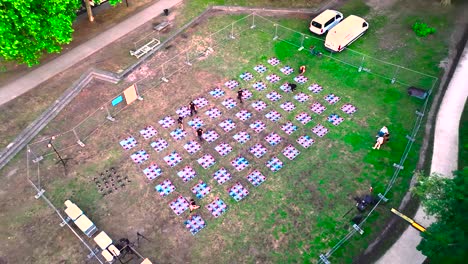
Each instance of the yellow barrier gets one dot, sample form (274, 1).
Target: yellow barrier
(409, 220)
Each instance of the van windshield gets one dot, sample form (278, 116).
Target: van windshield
(317, 25)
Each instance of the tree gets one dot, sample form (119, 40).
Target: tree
(89, 3)
(445, 241)
(30, 27)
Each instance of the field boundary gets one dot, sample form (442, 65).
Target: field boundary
(37, 125)
(34, 128)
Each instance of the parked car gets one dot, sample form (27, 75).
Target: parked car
(345, 33)
(325, 21)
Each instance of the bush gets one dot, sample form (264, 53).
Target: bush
(422, 29)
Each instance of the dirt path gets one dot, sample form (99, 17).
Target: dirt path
(444, 161)
(67, 60)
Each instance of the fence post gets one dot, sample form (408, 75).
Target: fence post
(36, 158)
(395, 74)
(187, 59)
(253, 21)
(164, 79)
(302, 42)
(360, 66)
(276, 32)
(324, 259)
(78, 141)
(109, 116)
(232, 31)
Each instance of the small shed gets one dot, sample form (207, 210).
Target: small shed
(417, 92)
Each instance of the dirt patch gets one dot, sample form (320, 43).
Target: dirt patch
(380, 4)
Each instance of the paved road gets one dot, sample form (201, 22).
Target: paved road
(444, 161)
(70, 58)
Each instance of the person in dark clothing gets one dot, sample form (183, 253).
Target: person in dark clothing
(240, 94)
(180, 122)
(193, 108)
(386, 138)
(292, 86)
(200, 134)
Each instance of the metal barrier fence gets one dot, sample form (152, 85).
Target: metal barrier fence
(364, 63)
(163, 71)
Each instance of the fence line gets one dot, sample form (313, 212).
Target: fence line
(399, 167)
(360, 58)
(182, 60)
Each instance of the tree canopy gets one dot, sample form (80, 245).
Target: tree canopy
(30, 27)
(445, 240)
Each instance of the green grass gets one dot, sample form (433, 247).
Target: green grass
(297, 213)
(322, 180)
(194, 7)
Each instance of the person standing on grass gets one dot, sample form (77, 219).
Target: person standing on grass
(193, 108)
(312, 50)
(240, 94)
(200, 134)
(302, 69)
(292, 86)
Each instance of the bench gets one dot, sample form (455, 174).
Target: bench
(153, 43)
(162, 25)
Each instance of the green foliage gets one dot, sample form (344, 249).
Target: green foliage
(29, 27)
(422, 29)
(114, 2)
(111, 2)
(445, 240)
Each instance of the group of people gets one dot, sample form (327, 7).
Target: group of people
(193, 111)
(382, 137)
(293, 86)
(240, 96)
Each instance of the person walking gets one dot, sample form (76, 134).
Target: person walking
(180, 122)
(292, 86)
(193, 108)
(200, 134)
(240, 94)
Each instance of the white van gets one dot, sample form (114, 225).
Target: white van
(345, 33)
(325, 21)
